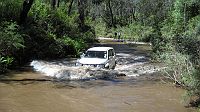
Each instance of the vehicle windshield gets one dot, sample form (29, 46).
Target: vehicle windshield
(96, 54)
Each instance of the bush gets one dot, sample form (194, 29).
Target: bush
(47, 33)
(76, 45)
(183, 72)
(9, 9)
(134, 31)
(140, 32)
(5, 62)
(179, 45)
(10, 38)
(100, 29)
(54, 34)
(179, 67)
(10, 41)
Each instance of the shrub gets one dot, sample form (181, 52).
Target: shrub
(10, 10)
(10, 38)
(179, 67)
(10, 41)
(183, 72)
(100, 29)
(5, 62)
(47, 33)
(134, 31)
(183, 57)
(76, 46)
(54, 32)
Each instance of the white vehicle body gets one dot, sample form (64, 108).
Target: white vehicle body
(102, 57)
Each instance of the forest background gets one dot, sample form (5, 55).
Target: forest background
(52, 29)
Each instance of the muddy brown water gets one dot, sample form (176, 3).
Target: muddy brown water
(117, 95)
(29, 91)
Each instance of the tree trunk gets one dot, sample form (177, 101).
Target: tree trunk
(111, 13)
(81, 13)
(70, 7)
(58, 3)
(26, 7)
(55, 3)
(133, 14)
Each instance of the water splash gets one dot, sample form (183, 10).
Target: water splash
(127, 66)
(71, 73)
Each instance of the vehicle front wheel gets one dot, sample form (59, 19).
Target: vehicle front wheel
(114, 66)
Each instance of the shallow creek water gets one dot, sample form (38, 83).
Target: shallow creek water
(119, 95)
(58, 86)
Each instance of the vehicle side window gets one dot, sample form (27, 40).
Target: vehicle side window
(110, 53)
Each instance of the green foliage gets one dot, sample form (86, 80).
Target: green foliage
(172, 26)
(47, 33)
(53, 33)
(55, 22)
(134, 31)
(76, 45)
(4, 63)
(10, 41)
(88, 36)
(100, 29)
(177, 42)
(179, 67)
(140, 32)
(182, 71)
(9, 9)
(10, 38)
(39, 11)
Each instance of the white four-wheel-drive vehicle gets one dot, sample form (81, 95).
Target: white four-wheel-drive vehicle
(102, 57)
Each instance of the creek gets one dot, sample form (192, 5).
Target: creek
(59, 86)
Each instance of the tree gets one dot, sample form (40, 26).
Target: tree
(108, 4)
(55, 3)
(81, 12)
(70, 7)
(26, 7)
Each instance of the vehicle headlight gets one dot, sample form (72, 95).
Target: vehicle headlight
(101, 66)
(79, 64)
(106, 65)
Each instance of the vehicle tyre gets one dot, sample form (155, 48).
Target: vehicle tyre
(114, 66)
